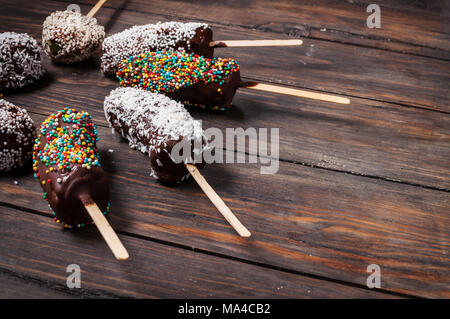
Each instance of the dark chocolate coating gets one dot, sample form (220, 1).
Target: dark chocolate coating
(169, 172)
(166, 170)
(199, 44)
(64, 197)
(207, 95)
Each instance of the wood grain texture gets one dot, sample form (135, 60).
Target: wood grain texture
(303, 219)
(415, 27)
(318, 65)
(154, 271)
(13, 286)
(217, 201)
(368, 138)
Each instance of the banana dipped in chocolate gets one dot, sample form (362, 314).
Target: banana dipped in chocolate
(155, 124)
(191, 37)
(66, 163)
(69, 37)
(189, 78)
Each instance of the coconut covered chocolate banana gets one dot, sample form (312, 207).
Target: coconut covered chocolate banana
(192, 37)
(154, 124)
(188, 78)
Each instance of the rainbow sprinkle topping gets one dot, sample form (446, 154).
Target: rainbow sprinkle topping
(71, 139)
(168, 71)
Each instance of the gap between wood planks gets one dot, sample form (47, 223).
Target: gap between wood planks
(262, 29)
(368, 37)
(440, 189)
(95, 294)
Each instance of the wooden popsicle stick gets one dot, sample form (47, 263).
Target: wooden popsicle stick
(96, 8)
(105, 228)
(255, 43)
(218, 202)
(300, 93)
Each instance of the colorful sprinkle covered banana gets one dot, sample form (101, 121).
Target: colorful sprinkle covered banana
(188, 78)
(66, 163)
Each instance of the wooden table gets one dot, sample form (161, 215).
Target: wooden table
(359, 184)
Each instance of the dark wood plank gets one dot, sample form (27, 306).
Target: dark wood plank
(413, 27)
(317, 65)
(16, 287)
(303, 219)
(43, 251)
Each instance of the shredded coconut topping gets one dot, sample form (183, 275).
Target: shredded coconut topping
(152, 119)
(20, 60)
(145, 38)
(16, 136)
(69, 36)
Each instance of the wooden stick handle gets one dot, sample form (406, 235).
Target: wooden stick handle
(255, 43)
(105, 228)
(96, 8)
(218, 202)
(300, 93)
